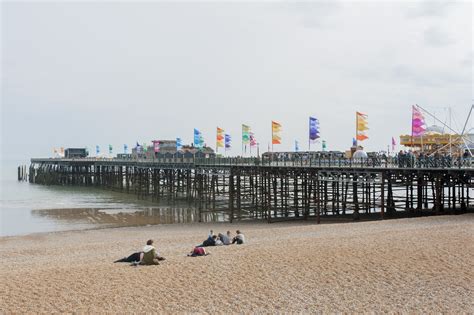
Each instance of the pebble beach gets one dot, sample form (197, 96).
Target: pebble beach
(416, 265)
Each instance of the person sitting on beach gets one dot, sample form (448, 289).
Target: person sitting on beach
(219, 240)
(150, 255)
(198, 251)
(239, 238)
(224, 238)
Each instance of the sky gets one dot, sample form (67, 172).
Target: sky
(77, 74)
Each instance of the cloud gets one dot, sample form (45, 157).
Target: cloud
(314, 14)
(431, 8)
(433, 36)
(426, 77)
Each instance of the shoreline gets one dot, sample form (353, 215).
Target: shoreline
(330, 219)
(284, 267)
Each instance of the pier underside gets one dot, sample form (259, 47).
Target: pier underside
(273, 192)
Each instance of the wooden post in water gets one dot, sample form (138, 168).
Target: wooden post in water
(382, 196)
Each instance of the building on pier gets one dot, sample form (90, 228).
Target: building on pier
(168, 149)
(71, 153)
(435, 139)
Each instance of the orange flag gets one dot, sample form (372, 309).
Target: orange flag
(276, 131)
(361, 126)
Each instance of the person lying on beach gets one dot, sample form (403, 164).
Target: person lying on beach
(211, 241)
(138, 256)
(239, 238)
(198, 251)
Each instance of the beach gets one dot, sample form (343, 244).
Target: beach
(416, 265)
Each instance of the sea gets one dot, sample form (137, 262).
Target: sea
(31, 208)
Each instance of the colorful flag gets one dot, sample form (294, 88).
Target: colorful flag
(324, 145)
(179, 144)
(138, 148)
(253, 140)
(156, 146)
(393, 144)
(228, 141)
(313, 129)
(276, 133)
(361, 126)
(418, 125)
(198, 139)
(245, 134)
(145, 147)
(125, 148)
(97, 149)
(297, 147)
(110, 149)
(354, 142)
(219, 138)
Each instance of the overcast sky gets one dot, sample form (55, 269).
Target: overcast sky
(82, 74)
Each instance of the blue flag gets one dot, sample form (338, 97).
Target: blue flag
(297, 147)
(228, 141)
(125, 148)
(197, 138)
(179, 144)
(313, 129)
(97, 149)
(138, 148)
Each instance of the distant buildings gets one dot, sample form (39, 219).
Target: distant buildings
(168, 149)
(72, 153)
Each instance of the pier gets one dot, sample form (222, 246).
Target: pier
(256, 188)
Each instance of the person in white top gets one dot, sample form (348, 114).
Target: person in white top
(239, 238)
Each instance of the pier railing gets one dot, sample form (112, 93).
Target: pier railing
(390, 162)
(340, 162)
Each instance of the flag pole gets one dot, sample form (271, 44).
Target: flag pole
(242, 137)
(309, 134)
(412, 140)
(357, 129)
(272, 136)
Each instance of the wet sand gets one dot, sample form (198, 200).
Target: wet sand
(416, 265)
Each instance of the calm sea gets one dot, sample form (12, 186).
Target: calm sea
(28, 208)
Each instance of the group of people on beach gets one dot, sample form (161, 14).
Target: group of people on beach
(223, 239)
(150, 255)
(217, 240)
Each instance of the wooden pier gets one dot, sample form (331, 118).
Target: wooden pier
(251, 188)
